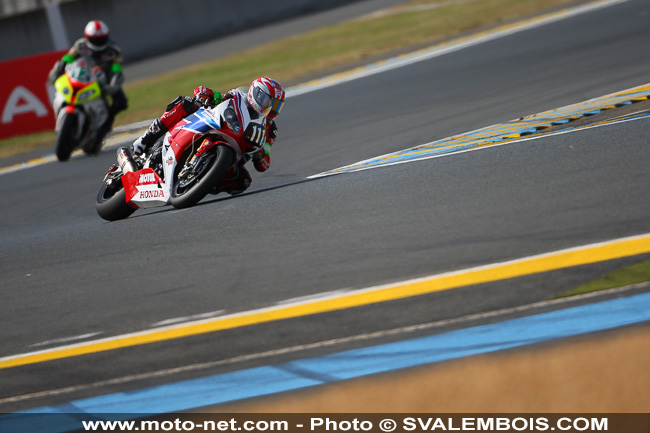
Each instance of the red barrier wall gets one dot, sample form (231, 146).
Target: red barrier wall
(25, 105)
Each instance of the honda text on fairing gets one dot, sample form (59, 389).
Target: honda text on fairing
(188, 163)
(81, 110)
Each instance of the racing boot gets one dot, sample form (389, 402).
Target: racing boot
(235, 181)
(155, 131)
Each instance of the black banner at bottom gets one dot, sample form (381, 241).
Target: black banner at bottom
(301, 423)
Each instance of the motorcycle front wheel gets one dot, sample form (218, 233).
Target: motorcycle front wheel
(111, 202)
(65, 142)
(192, 185)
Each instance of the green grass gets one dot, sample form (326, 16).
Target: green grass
(298, 56)
(634, 274)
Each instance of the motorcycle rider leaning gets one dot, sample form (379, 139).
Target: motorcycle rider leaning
(107, 55)
(264, 99)
(176, 110)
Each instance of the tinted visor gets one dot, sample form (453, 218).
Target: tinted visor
(262, 99)
(98, 42)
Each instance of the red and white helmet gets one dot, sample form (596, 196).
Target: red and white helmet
(266, 96)
(96, 34)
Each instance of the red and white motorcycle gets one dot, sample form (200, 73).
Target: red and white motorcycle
(189, 162)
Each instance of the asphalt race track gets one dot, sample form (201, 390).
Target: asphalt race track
(67, 276)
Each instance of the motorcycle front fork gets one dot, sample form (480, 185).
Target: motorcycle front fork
(194, 162)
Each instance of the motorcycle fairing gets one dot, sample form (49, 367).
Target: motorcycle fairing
(77, 92)
(190, 131)
(201, 122)
(145, 189)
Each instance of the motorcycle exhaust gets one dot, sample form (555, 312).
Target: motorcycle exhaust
(125, 160)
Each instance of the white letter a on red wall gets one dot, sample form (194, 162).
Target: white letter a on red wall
(22, 101)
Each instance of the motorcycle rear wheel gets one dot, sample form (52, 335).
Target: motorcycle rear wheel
(189, 191)
(65, 143)
(111, 203)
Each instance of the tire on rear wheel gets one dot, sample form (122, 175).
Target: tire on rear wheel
(111, 203)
